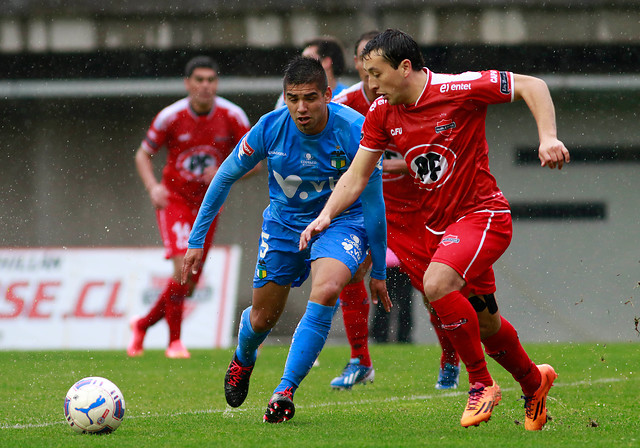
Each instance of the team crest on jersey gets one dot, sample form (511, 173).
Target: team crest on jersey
(449, 240)
(445, 127)
(261, 269)
(431, 165)
(338, 159)
(192, 163)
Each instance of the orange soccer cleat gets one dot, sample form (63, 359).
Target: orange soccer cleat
(535, 406)
(482, 400)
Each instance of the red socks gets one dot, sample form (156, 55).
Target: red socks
(460, 322)
(354, 302)
(449, 354)
(505, 348)
(169, 305)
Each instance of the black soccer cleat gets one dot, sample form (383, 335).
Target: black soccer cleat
(236, 382)
(280, 407)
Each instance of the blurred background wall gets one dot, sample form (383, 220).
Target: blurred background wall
(80, 82)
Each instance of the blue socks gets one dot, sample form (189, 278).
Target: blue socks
(307, 342)
(248, 340)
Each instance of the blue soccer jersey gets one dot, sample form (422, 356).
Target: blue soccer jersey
(303, 170)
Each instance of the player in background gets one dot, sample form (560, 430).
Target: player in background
(308, 145)
(199, 132)
(437, 123)
(403, 204)
(330, 52)
(401, 293)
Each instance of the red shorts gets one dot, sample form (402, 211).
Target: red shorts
(175, 222)
(471, 246)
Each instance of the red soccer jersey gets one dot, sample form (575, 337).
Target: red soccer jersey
(193, 143)
(442, 139)
(400, 193)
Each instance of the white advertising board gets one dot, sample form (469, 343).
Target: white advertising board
(56, 298)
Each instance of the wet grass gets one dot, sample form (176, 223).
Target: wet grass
(181, 402)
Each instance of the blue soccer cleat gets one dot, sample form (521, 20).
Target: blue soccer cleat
(353, 374)
(448, 377)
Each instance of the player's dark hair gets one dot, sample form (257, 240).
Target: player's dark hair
(200, 62)
(304, 70)
(395, 46)
(364, 36)
(329, 47)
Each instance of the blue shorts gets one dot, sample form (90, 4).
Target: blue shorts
(280, 261)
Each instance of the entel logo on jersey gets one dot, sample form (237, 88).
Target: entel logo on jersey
(450, 239)
(396, 131)
(444, 88)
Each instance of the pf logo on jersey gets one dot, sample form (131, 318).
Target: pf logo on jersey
(431, 165)
(192, 163)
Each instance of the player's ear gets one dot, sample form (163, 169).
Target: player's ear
(406, 67)
(328, 94)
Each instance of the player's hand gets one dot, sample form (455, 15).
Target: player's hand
(191, 264)
(159, 196)
(553, 153)
(379, 292)
(316, 226)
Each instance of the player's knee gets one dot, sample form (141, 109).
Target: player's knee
(439, 282)
(327, 293)
(488, 326)
(435, 290)
(263, 320)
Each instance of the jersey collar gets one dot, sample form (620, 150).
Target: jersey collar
(424, 90)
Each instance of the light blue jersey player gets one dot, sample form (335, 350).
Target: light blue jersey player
(308, 146)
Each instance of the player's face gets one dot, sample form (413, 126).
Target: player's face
(384, 79)
(362, 73)
(364, 76)
(202, 86)
(307, 106)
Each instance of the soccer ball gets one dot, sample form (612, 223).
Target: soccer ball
(94, 405)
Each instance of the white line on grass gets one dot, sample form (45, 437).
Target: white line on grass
(230, 411)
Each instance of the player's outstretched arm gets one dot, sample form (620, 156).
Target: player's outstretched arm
(535, 93)
(191, 264)
(346, 192)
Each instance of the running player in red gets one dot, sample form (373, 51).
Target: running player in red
(199, 132)
(437, 122)
(403, 202)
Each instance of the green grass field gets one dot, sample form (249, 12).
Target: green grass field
(594, 402)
